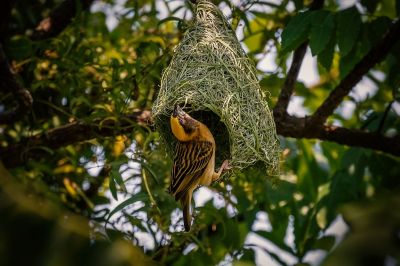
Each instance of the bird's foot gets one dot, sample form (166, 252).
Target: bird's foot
(226, 166)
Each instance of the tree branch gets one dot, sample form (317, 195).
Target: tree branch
(374, 56)
(385, 114)
(35, 146)
(290, 126)
(286, 125)
(59, 18)
(291, 78)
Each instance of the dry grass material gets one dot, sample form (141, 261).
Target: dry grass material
(212, 77)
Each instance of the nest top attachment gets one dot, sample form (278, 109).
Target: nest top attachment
(211, 73)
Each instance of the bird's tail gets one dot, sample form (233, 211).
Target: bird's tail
(187, 216)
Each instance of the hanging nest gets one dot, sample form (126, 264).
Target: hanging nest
(211, 76)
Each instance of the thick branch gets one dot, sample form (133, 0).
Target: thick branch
(359, 138)
(290, 126)
(59, 18)
(286, 125)
(33, 147)
(374, 56)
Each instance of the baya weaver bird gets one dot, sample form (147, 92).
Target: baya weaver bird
(194, 160)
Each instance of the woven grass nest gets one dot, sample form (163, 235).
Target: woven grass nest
(213, 79)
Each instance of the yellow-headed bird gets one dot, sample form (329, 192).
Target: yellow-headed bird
(194, 160)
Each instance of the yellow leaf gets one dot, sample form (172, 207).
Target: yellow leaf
(321, 218)
(139, 137)
(119, 145)
(67, 168)
(69, 187)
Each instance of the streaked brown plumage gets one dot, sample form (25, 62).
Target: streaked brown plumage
(194, 160)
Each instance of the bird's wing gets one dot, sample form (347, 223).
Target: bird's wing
(190, 161)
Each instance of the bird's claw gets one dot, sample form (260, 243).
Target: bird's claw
(226, 166)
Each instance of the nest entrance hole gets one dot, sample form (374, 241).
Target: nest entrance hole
(212, 121)
(219, 131)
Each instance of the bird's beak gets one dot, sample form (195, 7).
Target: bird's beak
(178, 111)
(181, 121)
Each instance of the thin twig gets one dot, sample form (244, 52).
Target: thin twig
(385, 114)
(19, 153)
(146, 185)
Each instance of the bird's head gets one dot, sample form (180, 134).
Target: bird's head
(184, 127)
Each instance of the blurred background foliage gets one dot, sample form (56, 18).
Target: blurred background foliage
(104, 201)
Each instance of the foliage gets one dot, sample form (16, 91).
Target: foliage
(93, 74)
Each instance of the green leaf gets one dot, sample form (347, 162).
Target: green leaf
(386, 168)
(137, 197)
(148, 168)
(113, 188)
(366, 39)
(248, 256)
(114, 235)
(274, 239)
(318, 17)
(299, 4)
(256, 33)
(118, 178)
(348, 29)
(347, 183)
(19, 48)
(100, 200)
(370, 5)
(169, 19)
(325, 243)
(332, 152)
(321, 32)
(284, 188)
(350, 157)
(296, 32)
(347, 63)
(377, 28)
(136, 222)
(231, 237)
(325, 57)
(398, 8)
(386, 8)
